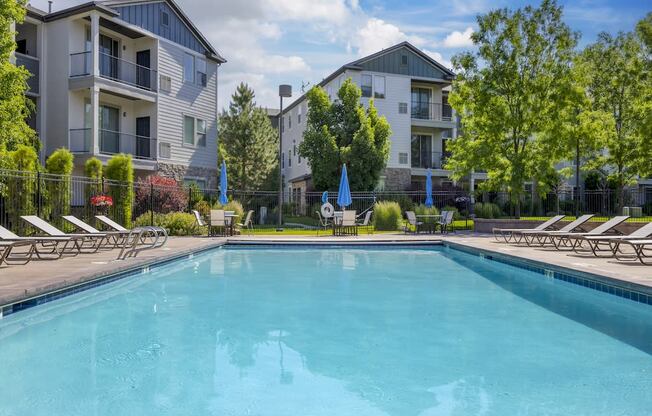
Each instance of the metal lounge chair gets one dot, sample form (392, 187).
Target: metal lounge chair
(366, 222)
(45, 248)
(411, 220)
(607, 243)
(642, 250)
(160, 231)
(113, 239)
(544, 237)
(573, 241)
(83, 243)
(509, 234)
(6, 248)
(248, 223)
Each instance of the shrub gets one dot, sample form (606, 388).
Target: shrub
(387, 216)
(487, 210)
(423, 210)
(177, 223)
(58, 201)
(168, 195)
(20, 190)
(203, 207)
(405, 203)
(120, 169)
(233, 205)
(93, 171)
(195, 193)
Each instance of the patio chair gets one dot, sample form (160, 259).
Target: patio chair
(541, 238)
(200, 221)
(642, 250)
(573, 241)
(248, 223)
(6, 248)
(159, 231)
(84, 243)
(217, 222)
(446, 221)
(347, 225)
(509, 234)
(45, 248)
(602, 243)
(366, 222)
(411, 220)
(324, 224)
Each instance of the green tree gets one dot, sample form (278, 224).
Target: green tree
(248, 142)
(619, 85)
(120, 172)
(14, 105)
(59, 163)
(344, 132)
(506, 91)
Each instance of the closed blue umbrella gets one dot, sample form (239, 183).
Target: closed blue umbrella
(428, 189)
(324, 197)
(223, 185)
(344, 193)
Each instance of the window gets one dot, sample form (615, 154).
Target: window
(188, 130)
(403, 158)
(329, 91)
(379, 87)
(164, 150)
(290, 158)
(404, 59)
(201, 132)
(282, 124)
(166, 83)
(299, 115)
(298, 156)
(289, 121)
(165, 18)
(201, 183)
(365, 85)
(402, 108)
(282, 160)
(188, 68)
(201, 72)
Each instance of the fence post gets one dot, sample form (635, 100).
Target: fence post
(189, 199)
(151, 204)
(38, 193)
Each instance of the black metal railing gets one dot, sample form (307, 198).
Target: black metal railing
(425, 110)
(116, 69)
(112, 142)
(429, 160)
(31, 64)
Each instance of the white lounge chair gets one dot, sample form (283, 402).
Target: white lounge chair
(160, 231)
(248, 223)
(509, 234)
(346, 226)
(641, 249)
(45, 248)
(602, 243)
(218, 222)
(114, 239)
(83, 243)
(6, 248)
(573, 241)
(366, 222)
(544, 237)
(411, 220)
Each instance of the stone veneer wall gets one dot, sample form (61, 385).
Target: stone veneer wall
(397, 179)
(178, 172)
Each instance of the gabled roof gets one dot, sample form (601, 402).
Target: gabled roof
(357, 66)
(184, 18)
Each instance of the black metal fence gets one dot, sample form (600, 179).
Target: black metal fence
(52, 196)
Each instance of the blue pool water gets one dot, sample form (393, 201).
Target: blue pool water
(312, 331)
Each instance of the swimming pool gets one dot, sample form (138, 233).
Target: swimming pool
(330, 331)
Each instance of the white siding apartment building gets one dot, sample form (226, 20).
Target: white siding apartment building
(131, 77)
(410, 89)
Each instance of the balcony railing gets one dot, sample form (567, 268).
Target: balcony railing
(112, 142)
(114, 68)
(431, 111)
(429, 160)
(31, 64)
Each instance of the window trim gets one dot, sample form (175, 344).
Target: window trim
(195, 143)
(201, 81)
(165, 13)
(371, 87)
(376, 96)
(169, 146)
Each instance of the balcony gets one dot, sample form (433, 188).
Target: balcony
(112, 142)
(431, 111)
(115, 69)
(31, 64)
(429, 160)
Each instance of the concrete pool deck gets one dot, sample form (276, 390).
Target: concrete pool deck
(19, 283)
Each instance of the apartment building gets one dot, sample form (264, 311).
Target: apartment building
(131, 77)
(411, 90)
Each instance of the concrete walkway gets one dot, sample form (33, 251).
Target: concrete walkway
(18, 283)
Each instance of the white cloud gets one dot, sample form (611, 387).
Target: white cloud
(439, 58)
(458, 39)
(377, 34)
(336, 11)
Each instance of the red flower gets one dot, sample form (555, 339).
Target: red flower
(101, 201)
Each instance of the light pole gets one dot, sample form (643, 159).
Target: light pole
(283, 91)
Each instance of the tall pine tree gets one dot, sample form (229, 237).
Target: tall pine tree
(248, 142)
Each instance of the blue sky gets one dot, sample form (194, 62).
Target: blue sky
(268, 42)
